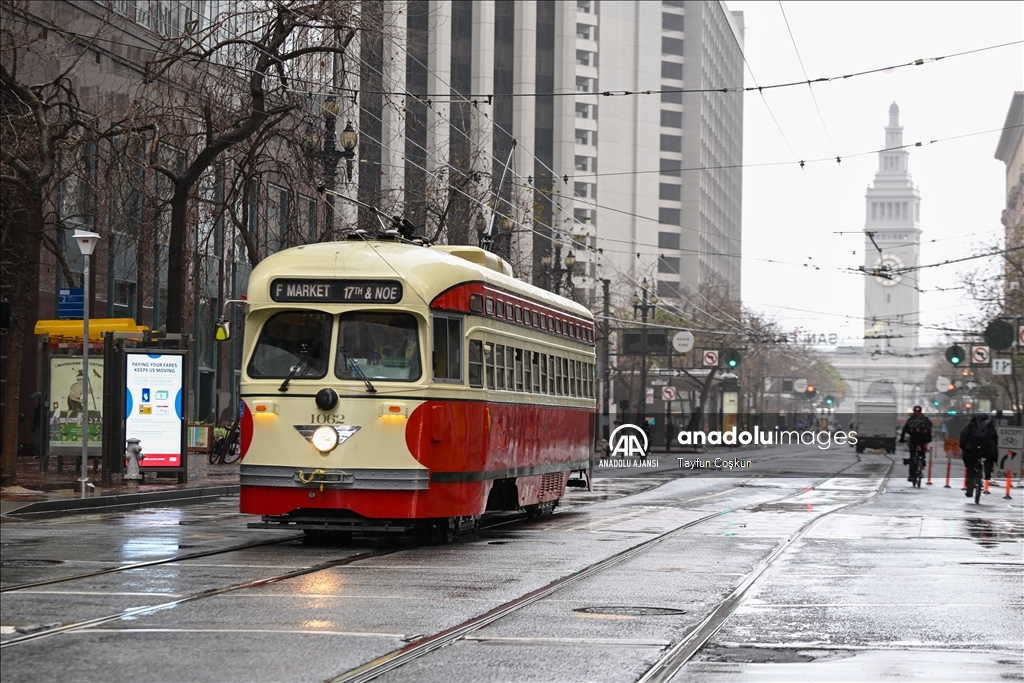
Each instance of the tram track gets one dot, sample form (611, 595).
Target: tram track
(666, 667)
(674, 659)
(149, 563)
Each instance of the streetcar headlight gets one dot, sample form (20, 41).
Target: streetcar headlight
(325, 439)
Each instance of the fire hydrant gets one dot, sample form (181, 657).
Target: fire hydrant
(133, 454)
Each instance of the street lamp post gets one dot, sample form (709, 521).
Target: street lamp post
(643, 305)
(331, 156)
(555, 267)
(86, 244)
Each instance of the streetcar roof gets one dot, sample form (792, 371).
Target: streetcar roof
(425, 271)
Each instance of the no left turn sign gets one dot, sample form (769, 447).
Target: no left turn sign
(979, 355)
(711, 358)
(668, 393)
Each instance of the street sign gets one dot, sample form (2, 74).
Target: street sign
(800, 385)
(1020, 332)
(941, 383)
(710, 358)
(70, 303)
(767, 383)
(650, 396)
(670, 373)
(1002, 366)
(682, 342)
(632, 342)
(1011, 437)
(668, 393)
(999, 334)
(979, 355)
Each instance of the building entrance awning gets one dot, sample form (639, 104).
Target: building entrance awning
(72, 329)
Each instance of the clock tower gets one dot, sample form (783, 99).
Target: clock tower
(892, 237)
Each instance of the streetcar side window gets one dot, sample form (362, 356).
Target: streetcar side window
(378, 346)
(476, 365)
(519, 369)
(551, 374)
(510, 364)
(543, 373)
(499, 371)
(559, 383)
(527, 371)
(293, 344)
(535, 362)
(447, 351)
(573, 390)
(501, 308)
(489, 364)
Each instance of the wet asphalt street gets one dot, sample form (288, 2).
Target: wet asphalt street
(771, 573)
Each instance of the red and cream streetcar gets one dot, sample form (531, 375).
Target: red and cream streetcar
(388, 385)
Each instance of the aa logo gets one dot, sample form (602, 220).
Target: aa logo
(628, 441)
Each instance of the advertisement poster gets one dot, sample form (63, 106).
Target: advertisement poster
(66, 394)
(154, 412)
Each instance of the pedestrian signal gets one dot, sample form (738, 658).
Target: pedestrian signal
(955, 354)
(732, 359)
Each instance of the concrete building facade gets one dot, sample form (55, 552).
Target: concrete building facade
(674, 151)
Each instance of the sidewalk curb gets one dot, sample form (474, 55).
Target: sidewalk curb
(127, 500)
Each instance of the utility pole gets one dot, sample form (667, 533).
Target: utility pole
(605, 369)
(643, 306)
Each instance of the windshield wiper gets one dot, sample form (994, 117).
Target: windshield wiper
(358, 370)
(302, 361)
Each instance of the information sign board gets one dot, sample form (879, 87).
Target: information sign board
(70, 303)
(154, 406)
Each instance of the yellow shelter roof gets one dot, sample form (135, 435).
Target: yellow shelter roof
(72, 329)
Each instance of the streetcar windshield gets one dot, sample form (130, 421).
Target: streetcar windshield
(378, 346)
(293, 344)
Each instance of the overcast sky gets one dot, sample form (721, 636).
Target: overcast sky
(792, 215)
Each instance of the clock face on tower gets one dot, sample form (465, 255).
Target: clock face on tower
(888, 266)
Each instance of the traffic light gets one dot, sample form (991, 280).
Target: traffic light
(955, 354)
(936, 401)
(811, 391)
(732, 359)
(829, 400)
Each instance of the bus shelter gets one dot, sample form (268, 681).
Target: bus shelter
(138, 387)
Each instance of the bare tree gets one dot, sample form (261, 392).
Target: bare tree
(42, 121)
(225, 83)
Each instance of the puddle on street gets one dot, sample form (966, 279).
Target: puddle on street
(988, 532)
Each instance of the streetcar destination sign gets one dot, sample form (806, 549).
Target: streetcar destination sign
(336, 291)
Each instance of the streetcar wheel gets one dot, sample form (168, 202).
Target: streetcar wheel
(447, 530)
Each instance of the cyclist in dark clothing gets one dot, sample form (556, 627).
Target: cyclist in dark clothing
(978, 442)
(919, 429)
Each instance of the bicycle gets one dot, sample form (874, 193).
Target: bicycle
(976, 480)
(227, 449)
(917, 462)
